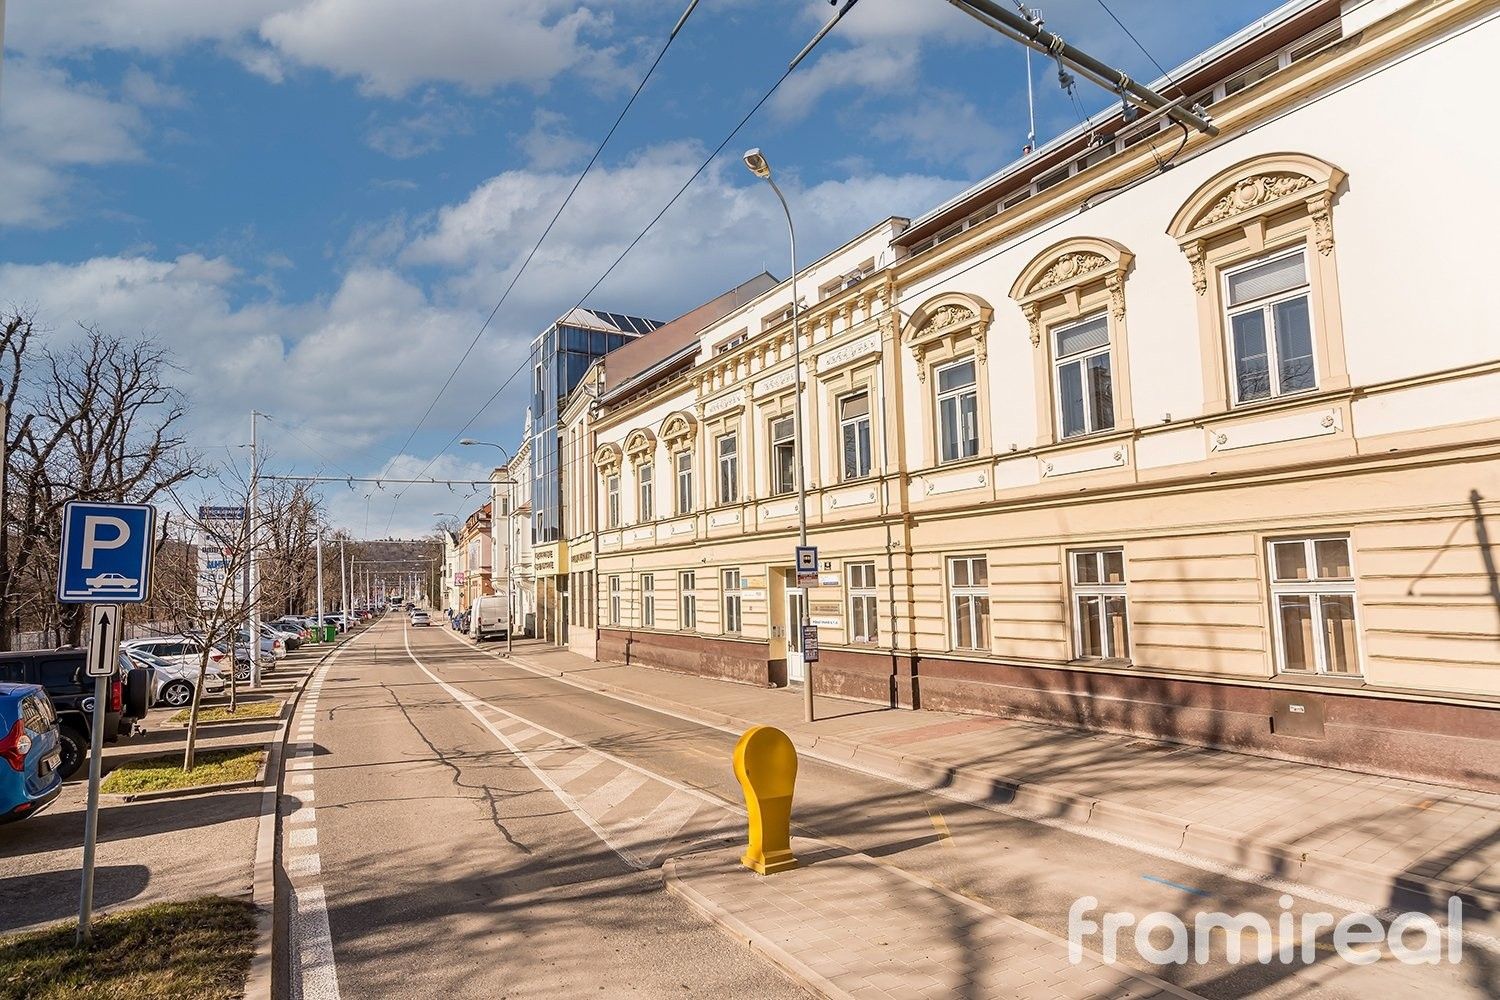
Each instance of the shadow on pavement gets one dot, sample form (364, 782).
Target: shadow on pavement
(48, 896)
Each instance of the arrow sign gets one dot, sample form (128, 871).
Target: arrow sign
(104, 640)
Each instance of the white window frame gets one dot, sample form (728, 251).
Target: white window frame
(648, 600)
(851, 424)
(787, 441)
(1264, 305)
(733, 604)
(645, 476)
(1315, 589)
(614, 600)
(683, 466)
(687, 599)
(976, 597)
(612, 500)
(940, 396)
(861, 588)
(1101, 592)
(1090, 418)
(729, 467)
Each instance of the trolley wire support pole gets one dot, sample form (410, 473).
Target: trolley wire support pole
(1018, 28)
(253, 595)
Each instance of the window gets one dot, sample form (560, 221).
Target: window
(1312, 598)
(969, 601)
(862, 623)
(1270, 328)
(645, 478)
(1251, 76)
(614, 600)
(684, 462)
(783, 455)
(732, 343)
(958, 411)
(733, 619)
(648, 599)
(729, 468)
(1101, 630)
(687, 596)
(1085, 393)
(612, 501)
(854, 430)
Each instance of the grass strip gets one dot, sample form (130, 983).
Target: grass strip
(211, 767)
(221, 713)
(196, 950)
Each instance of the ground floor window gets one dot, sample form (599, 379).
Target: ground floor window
(1313, 608)
(648, 599)
(687, 597)
(1101, 628)
(614, 600)
(969, 602)
(733, 619)
(862, 623)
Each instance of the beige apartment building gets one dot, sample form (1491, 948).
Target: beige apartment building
(1156, 432)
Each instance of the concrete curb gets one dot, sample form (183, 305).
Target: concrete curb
(1378, 885)
(259, 983)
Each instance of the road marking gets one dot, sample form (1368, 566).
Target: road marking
(1177, 885)
(941, 826)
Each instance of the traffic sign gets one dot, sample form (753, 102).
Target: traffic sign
(105, 553)
(104, 640)
(807, 565)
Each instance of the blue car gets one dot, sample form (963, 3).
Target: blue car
(30, 754)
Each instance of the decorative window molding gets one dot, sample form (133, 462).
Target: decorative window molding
(1067, 282)
(607, 458)
(640, 445)
(678, 430)
(1253, 210)
(945, 329)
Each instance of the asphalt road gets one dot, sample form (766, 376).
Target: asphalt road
(479, 830)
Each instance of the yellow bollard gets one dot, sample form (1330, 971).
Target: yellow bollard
(766, 764)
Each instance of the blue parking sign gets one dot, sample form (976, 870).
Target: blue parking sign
(106, 553)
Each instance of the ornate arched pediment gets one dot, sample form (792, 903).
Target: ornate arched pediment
(1252, 190)
(607, 458)
(1066, 267)
(678, 429)
(950, 316)
(639, 444)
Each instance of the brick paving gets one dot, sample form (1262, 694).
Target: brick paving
(1352, 832)
(847, 926)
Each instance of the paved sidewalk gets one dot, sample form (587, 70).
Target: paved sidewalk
(846, 926)
(1385, 841)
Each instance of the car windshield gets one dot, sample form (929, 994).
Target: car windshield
(148, 659)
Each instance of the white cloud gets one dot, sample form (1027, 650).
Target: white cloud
(152, 26)
(145, 90)
(549, 144)
(946, 128)
(424, 132)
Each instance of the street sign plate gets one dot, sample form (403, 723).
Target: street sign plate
(810, 643)
(221, 513)
(105, 553)
(104, 640)
(807, 565)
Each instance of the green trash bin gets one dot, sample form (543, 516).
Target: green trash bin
(330, 633)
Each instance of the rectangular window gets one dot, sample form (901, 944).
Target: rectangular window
(1251, 76)
(614, 600)
(612, 501)
(1101, 628)
(1085, 394)
(854, 431)
(648, 599)
(729, 468)
(862, 622)
(646, 479)
(783, 455)
(1312, 598)
(687, 597)
(733, 620)
(1270, 328)
(969, 601)
(684, 461)
(958, 411)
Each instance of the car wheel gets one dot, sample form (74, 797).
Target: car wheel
(242, 671)
(177, 694)
(72, 747)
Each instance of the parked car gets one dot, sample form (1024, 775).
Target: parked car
(290, 639)
(31, 772)
(420, 618)
(175, 681)
(271, 648)
(61, 672)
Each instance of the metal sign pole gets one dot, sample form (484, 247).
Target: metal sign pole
(102, 663)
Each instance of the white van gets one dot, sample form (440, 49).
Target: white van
(489, 618)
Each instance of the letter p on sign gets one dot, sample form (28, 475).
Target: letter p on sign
(93, 543)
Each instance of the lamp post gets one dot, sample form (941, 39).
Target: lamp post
(761, 167)
(510, 513)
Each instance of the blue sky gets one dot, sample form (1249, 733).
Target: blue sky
(315, 203)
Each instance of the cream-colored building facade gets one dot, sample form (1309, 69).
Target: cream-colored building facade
(1190, 436)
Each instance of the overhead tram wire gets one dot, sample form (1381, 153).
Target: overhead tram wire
(598, 151)
(796, 61)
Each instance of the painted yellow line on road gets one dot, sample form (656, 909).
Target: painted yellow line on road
(941, 826)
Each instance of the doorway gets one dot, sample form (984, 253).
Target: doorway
(796, 666)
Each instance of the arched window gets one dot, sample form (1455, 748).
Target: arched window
(948, 336)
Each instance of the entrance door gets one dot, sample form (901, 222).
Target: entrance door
(796, 667)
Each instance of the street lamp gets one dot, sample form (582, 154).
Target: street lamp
(756, 161)
(510, 531)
